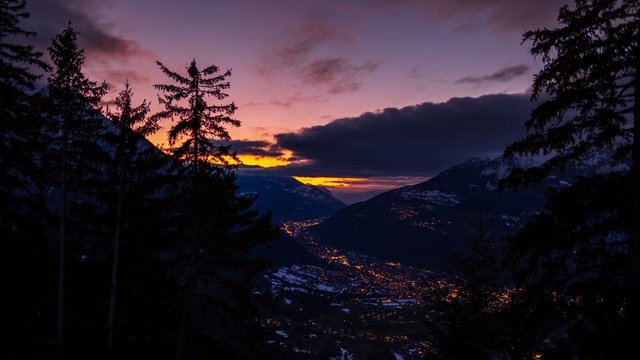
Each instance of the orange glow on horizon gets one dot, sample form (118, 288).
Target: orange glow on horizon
(263, 161)
(328, 181)
(245, 159)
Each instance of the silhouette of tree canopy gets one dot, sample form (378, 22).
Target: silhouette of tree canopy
(73, 111)
(17, 121)
(197, 121)
(214, 262)
(476, 298)
(578, 259)
(588, 87)
(132, 126)
(23, 257)
(91, 213)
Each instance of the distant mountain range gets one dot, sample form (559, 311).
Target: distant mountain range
(288, 198)
(424, 224)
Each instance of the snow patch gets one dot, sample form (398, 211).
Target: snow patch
(434, 197)
(489, 171)
(289, 278)
(326, 288)
(294, 289)
(344, 355)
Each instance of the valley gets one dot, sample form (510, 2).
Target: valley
(351, 306)
(361, 290)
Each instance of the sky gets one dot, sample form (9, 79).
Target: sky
(357, 95)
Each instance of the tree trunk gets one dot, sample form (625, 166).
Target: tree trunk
(61, 240)
(186, 319)
(634, 234)
(186, 311)
(121, 183)
(114, 272)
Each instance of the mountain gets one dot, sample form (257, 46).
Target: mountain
(424, 224)
(288, 198)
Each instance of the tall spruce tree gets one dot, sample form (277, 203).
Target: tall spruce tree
(580, 259)
(22, 245)
(133, 127)
(196, 124)
(17, 122)
(74, 104)
(479, 296)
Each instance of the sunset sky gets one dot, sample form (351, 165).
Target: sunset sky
(358, 89)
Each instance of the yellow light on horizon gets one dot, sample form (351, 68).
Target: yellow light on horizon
(263, 161)
(328, 181)
(245, 159)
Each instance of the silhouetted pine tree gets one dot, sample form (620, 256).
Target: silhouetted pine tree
(16, 121)
(469, 315)
(22, 244)
(220, 228)
(132, 127)
(579, 260)
(79, 153)
(227, 311)
(144, 191)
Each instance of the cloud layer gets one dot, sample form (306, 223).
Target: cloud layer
(251, 147)
(412, 141)
(300, 54)
(99, 39)
(503, 75)
(338, 74)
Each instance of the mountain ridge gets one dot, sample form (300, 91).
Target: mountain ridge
(424, 224)
(288, 198)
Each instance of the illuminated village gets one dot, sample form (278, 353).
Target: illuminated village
(349, 304)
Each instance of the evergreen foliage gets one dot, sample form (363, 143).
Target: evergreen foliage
(218, 227)
(17, 125)
(23, 260)
(577, 261)
(74, 100)
(196, 120)
(479, 297)
(132, 128)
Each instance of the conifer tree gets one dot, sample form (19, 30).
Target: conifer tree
(17, 125)
(22, 244)
(132, 127)
(580, 258)
(477, 297)
(74, 103)
(196, 124)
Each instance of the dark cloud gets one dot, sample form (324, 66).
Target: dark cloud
(502, 75)
(300, 55)
(338, 74)
(311, 35)
(252, 147)
(298, 47)
(119, 77)
(49, 17)
(413, 141)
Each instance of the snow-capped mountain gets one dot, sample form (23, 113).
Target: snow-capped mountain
(424, 224)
